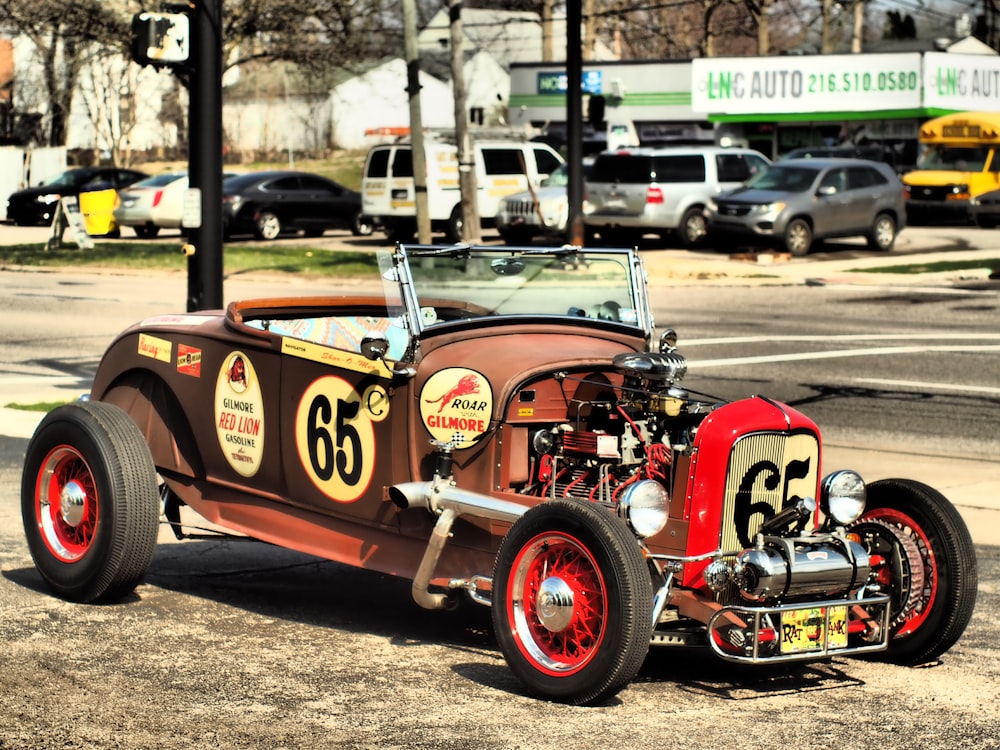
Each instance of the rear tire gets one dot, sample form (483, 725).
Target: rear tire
(146, 231)
(693, 228)
(267, 226)
(455, 226)
(89, 502)
(361, 225)
(882, 235)
(572, 602)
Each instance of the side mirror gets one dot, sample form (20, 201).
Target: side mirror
(374, 347)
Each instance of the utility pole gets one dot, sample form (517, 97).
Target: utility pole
(574, 123)
(205, 157)
(471, 228)
(416, 122)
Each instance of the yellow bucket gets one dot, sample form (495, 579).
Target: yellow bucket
(97, 207)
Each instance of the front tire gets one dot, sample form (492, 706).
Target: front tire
(267, 226)
(927, 561)
(572, 602)
(89, 502)
(798, 237)
(883, 233)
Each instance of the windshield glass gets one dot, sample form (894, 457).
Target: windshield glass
(787, 179)
(958, 158)
(448, 283)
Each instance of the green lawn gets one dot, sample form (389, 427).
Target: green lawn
(237, 258)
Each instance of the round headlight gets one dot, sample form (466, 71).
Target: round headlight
(644, 505)
(843, 496)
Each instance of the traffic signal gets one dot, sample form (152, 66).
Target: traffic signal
(595, 110)
(160, 39)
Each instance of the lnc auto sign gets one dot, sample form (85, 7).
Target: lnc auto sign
(824, 83)
(555, 83)
(961, 82)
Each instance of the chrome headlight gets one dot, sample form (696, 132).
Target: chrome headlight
(842, 496)
(645, 505)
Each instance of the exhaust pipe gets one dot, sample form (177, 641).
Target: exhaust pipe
(440, 496)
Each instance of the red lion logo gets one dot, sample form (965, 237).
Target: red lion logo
(467, 385)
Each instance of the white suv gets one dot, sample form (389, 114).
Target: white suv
(637, 191)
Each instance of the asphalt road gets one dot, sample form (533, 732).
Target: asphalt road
(236, 644)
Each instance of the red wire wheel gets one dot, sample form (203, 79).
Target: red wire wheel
(572, 602)
(926, 562)
(89, 502)
(559, 604)
(66, 504)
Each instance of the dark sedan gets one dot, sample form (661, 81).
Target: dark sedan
(37, 205)
(269, 204)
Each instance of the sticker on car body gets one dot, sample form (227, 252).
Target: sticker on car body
(239, 414)
(456, 405)
(335, 435)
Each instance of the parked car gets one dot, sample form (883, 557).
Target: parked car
(798, 201)
(504, 424)
(984, 209)
(154, 203)
(37, 205)
(542, 212)
(871, 152)
(268, 204)
(632, 192)
(151, 204)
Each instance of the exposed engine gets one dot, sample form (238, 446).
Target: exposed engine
(620, 435)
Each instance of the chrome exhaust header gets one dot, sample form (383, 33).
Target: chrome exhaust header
(441, 497)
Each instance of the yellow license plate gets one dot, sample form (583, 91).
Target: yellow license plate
(814, 629)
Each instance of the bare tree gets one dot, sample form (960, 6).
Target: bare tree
(65, 35)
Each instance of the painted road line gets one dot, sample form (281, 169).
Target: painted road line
(929, 386)
(697, 364)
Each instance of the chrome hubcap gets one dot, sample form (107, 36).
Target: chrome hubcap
(72, 502)
(554, 604)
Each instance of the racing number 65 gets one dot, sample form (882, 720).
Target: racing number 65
(321, 443)
(335, 437)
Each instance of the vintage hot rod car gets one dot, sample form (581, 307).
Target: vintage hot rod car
(500, 423)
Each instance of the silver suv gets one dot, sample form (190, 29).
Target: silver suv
(798, 201)
(662, 190)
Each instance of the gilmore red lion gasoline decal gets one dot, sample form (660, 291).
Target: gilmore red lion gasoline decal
(239, 414)
(456, 405)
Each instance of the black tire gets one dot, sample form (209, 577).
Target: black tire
(362, 225)
(267, 226)
(930, 567)
(693, 227)
(98, 547)
(882, 235)
(146, 231)
(580, 553)
(798, 237)
(516, 235)
(453, 229)
(402, 232)
(618, 237)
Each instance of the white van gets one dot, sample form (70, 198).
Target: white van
(502, 168)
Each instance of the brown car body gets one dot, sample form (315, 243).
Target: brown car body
(494, 422)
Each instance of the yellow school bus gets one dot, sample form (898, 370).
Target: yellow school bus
(959, 159)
